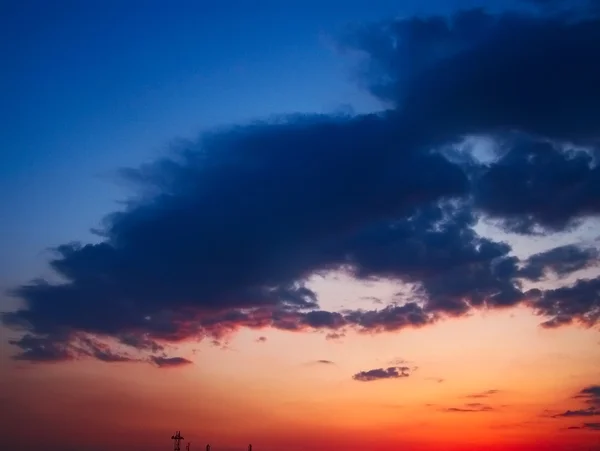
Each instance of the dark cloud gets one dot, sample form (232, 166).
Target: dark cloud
(261, 339)
(591, 426)
(591, 412)
(42, 349)
(102, 351)
(482, 72)
(142, 342)
(468, 75)
(485, 394)
(240, 231)
(561, 261)
(325, 362)
(45, 349)
(226, 232)
(590, 395)
(437, 249)
(579, 302)
(393, 372)
(470, 408)
(170, 362)
(537, 186)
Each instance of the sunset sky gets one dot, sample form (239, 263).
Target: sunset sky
(305, 225)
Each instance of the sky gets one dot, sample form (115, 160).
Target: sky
(301, 225)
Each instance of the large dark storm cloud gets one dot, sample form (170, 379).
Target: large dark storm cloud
(225, 233)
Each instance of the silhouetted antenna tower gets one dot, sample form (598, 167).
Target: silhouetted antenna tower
(249, 447)
(207, 447)
(187, 447)
(177, 438)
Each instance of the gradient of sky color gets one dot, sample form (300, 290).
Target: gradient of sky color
(91, 87)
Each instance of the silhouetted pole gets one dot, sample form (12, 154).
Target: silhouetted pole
(249, 447)
(207, 447)
(187, 447)
(177, 438)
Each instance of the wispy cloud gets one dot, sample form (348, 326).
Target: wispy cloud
(484, 394)
(586, 426)
(590, 396)
(335, 336)
(469, 408)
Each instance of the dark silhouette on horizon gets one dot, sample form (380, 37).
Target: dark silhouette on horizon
(177, 438)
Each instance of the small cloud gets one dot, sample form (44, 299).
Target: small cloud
(170, 362)
(261, 339)
(439, 380)
(325, 362)
(470, 408)
(485, 394)
(393, 372)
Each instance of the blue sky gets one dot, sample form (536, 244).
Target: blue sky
(94, 86)
(99, 88)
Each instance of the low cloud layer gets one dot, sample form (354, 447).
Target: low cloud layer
(586, 426)
(590, 396)
(225, 234)
(589, 412)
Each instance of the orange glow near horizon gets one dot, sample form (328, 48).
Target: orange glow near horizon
(258, 393)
